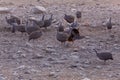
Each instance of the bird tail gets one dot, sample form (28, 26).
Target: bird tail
(112, 58)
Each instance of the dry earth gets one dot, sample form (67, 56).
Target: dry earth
(46, 58)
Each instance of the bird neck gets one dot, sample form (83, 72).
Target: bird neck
(110, 20)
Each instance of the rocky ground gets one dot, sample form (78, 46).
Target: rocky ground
(46, 58)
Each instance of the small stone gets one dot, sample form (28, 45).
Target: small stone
(19, 52)
(73, 10)
(73, 66)
(28, 44)
(75, 50)
(32, 18)
(46, 65)
(23, 55)
(39, 10)
(52, 74)
(64, 57)
(74, 57)
(49, 50)
(21, 67)
(26, 72)
(2, 78)
(98, 67)
(58, 62)
(37, 56)
(85, 65)
(49, 46)
(86, 79)
(50, 59)
(14, 56)
(87, 62)
(4, 10)
(55, 53)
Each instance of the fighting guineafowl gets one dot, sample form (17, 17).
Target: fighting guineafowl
(104, 55)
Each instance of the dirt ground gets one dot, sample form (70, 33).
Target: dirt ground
(46, 58)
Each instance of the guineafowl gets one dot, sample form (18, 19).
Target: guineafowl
(12, 19)
(35, 35)
(61, 35)
(78, 14)
(109, 24)
(69, 18)
(31, 27)
(104, 55)
(48, 22)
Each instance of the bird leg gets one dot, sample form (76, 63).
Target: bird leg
(104, 62)
(79, 19)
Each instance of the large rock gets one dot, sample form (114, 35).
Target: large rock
(4, 10)
(39, 10)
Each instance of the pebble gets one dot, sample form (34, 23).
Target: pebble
(23, 55)
(37, 56)
(86, 79)
(75, 50)
(85, 65)
(73, 66)
(2, 78)
(52, 74)
(49, 50)
(51, 59)
(58, 62)
(49, 46)
(74, 57)
(98, 67)
(87, 62)
(39, 9)
(64, 57)
(19, 52)
(4, 10)
(46, 64)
